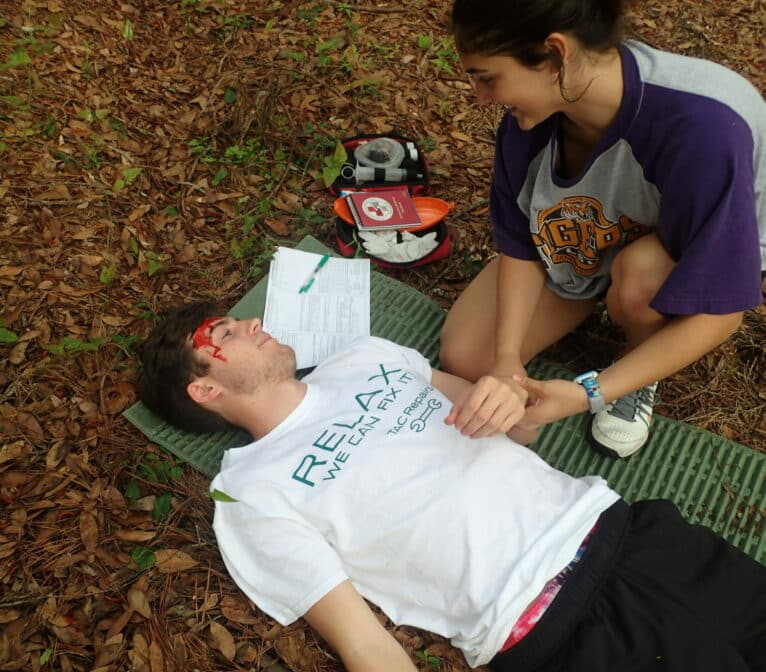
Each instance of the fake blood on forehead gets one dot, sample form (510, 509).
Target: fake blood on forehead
(201, 337)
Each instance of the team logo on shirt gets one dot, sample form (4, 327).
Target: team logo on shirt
(575, 231)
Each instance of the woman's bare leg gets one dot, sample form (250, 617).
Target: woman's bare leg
(638, 272)
(468, 334)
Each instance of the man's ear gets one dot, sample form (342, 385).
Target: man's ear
(203, 390)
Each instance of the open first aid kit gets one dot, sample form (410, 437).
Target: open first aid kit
(391, 218)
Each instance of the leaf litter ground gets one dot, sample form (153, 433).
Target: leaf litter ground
(153, 153)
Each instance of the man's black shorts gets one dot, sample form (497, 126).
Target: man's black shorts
(651, 593)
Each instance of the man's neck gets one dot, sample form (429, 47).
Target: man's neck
(261, 412)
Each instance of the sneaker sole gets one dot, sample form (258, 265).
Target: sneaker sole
(605, 450)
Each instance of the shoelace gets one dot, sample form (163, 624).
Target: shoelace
(636, 404)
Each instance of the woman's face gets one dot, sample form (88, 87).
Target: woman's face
(530, 93)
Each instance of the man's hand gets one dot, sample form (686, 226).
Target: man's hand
(491, 406)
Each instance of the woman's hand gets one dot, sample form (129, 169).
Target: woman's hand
(551, 400)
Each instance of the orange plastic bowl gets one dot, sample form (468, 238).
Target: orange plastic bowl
(430, 210)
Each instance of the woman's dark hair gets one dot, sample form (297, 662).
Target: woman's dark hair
(518, 28)
(169, 365)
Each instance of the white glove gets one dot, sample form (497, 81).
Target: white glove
(384, 245)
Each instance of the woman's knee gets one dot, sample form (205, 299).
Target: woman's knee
(467, 336)
(638, 271)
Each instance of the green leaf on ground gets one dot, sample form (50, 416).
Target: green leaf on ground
(8, 336)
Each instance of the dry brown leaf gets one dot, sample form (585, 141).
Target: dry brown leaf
(15, 479)
(140, 645)
(70, 635)
(179, 653)
(139, 212)
(56, 454)
(13, 451)
(10, 271)
(289, 201)
(18, 353)
(119, 623)
(8, 615)
(88, 531)
(277, 226)
(222, 640)
(31, 425)
(108, 652)
(272, 632)
(48, 609)
(83, 233)
(118, 397)
(143, 503)
(91, 260)
(291, 647)
(156, 658)
(91, 22)
(139, 602)
(114, 320)
(247, 654)
(7, 549)
(173, 560)
(29, 335)
(56, 192)
(135, 536)
(239, 614)
(458, 135)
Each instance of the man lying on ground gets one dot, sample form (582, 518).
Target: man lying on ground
(359, 485)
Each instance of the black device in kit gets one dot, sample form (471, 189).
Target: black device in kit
(379, 161)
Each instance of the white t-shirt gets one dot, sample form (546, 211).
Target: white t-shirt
(364, 481)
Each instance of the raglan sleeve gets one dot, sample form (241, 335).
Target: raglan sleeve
(281, 563)
(510, 226)
(707, 220)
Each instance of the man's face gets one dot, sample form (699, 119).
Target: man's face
(241, 355)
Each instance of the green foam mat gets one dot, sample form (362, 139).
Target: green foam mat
(713, 481)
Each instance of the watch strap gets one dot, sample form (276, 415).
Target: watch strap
(589, 381)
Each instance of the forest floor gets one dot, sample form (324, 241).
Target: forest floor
(152, 153)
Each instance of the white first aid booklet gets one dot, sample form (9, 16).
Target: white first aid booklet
(328, 314)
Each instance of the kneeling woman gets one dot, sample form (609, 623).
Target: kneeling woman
(621, 172)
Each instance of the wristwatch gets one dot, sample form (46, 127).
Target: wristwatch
(589, 380)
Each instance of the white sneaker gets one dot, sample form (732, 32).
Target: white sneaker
(623, 426)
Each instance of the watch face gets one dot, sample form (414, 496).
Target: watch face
(585, 379)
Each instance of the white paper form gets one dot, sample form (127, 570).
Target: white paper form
(333, 312)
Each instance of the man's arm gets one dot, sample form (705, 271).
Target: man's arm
(484, 408)
(346, 622)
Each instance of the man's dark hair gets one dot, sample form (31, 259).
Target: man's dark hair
(169, 365)
(518, 28)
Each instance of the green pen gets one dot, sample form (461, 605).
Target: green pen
(310, 280)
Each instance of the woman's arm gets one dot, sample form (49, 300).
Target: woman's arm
(680, 342)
